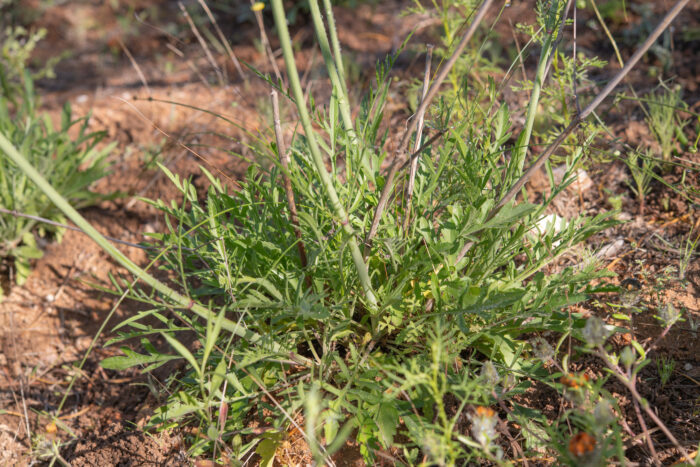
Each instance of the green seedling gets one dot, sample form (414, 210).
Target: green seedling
(665, 366)
(641, 167)
(664, 120)
(687, 252)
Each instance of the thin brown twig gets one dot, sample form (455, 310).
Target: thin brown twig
(423, 147)
(517, 449)
(135, 64)
(307, 436)
(202, 43)
(224, 41)
(43, 220)
(575, 76)
(413, 123)
(266, 42)
(517, 186)
(645, 431)
(291, 203)
(419, 135)
(178, 142)
(622, 377)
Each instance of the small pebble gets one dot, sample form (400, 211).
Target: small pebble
(611, 249)
(687, 367)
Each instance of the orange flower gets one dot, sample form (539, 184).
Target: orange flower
(485, 412)
(581, 444)
(573, 381)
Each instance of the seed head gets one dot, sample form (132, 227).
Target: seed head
(628, 356)
(490, 374)
(669, 315)
(542, 349)
(595, 333)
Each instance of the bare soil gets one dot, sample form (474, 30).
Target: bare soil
(47, 325)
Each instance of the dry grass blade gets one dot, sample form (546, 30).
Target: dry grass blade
(223, 40)
(284, 160)
(135, 64)
(68, 227)
(419, 134)
(265, 41)
(203, 43)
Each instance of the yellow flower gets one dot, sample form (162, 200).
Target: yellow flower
(258, 6)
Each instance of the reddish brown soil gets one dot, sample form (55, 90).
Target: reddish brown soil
(48, 324)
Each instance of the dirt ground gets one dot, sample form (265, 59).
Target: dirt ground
(47, 325)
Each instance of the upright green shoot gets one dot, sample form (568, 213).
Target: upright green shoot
(298, 95)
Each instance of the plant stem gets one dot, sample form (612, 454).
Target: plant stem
(224, 41)
(620, 374)
(295, 85)
(340, 69)
(266, 42)
(670, 16)
(168, 293)
(607, 33)
(336, 46)
(334, 72)
(523, 141)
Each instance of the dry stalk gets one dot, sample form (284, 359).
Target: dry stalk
(43, 220)
(266, 42)
(413, 123)
(645, 431)
(203, 44)
(224, 41)
(423, 147)
(284, 160)
(135, 64)
(419, 135)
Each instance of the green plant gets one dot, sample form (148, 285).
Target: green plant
(625, 366)
(15, 53)
(405, 335)
(314, 311)
(370, 330)
(663, 118)
(71, 164)
(641, 168)
(687, 251)
(665, 366)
